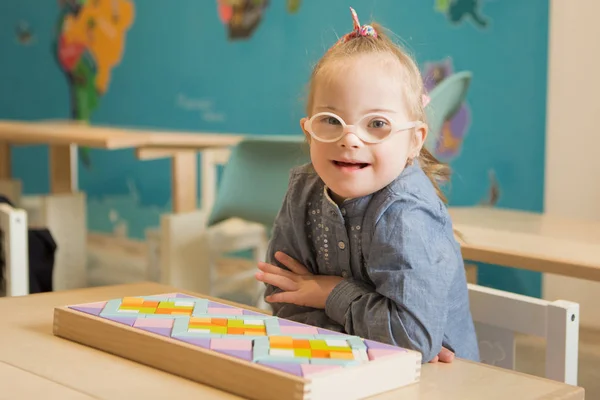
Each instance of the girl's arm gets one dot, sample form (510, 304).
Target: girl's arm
(411, 263)
(285, 239)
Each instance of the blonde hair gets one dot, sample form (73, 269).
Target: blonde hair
(435, 170)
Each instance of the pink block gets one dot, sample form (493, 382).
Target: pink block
(299, 330)
(375, 354)
(230, 344)
(99, 304)
(154, 322)
(228, 311)
(311, 369)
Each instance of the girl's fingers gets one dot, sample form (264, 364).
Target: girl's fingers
(272, 269)
(283, 297)
(292, 264)
(279, 281)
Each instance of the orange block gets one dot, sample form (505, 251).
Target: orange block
(231, 330)
(301, 344)
(319, 353)
(257, 330)
(167, 311)
(179, 312)
(255, 333)
(219, 321)
(341, 355)
(132, 301)
(148, 303)
(281, 342)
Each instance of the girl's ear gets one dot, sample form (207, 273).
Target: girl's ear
(419, 139)
(302, 122)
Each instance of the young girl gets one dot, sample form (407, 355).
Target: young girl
(363, 243)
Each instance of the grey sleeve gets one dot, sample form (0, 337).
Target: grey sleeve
(287, 236)
(411, 262)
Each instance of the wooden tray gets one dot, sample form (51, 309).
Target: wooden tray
(253, 355)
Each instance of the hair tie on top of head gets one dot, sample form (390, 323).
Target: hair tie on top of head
(426, 99)
(359, 30)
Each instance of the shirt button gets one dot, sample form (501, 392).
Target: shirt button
(344, 274)
(342, 245)
(343, 211)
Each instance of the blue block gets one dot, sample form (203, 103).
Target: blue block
(356, 343)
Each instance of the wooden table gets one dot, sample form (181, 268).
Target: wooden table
(530, 241)
(63, 137)
(34, 362)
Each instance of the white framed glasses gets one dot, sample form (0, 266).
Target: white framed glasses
(372, 128)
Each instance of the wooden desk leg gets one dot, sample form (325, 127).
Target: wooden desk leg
(184, 181)
(63, 169)
(5, 172)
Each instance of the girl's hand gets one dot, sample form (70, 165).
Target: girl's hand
(298, 285)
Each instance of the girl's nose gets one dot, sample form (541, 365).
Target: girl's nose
(350, 140)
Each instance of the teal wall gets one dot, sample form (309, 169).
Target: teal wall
(180, 70)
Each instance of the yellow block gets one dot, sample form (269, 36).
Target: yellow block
(132, 301)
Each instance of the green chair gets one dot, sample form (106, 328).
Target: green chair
(446, 99)
(249, 195)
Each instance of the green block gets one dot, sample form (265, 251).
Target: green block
(302, 353)
(236, 323)
(166, 304)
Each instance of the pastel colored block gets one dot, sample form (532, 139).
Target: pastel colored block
(154, 322)
(341, 355)
(159, 331)
(290, 368)
(298, 330)
(378, 345)
(230, 344)
(334, 361)
(135, 308)
(183, 303)
(200, 342)
(337, 343)
(293, 360)
(122, 320)
(166, 304)
(248, 312)
(199, 330)
(272, 327)
(98, 304)
(356, 343)
(260, 353)
(184, 296)
(312, 369)
(215, 304)
(328, 332)
(87, 310)
(302, 353)
(281, 352)
(243, 354)
(360, 355)
(287, 322)
(254, 322)
(224, 311)
(375, 354)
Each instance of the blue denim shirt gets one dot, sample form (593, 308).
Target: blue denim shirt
(405, 280)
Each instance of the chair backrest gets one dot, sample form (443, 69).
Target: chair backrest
(499, 315)
(255, 178)
(14, 253)
(446, 99)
